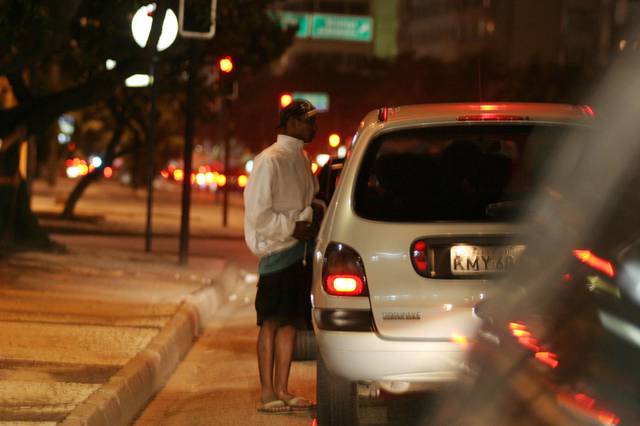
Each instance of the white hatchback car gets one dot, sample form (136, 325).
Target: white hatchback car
(422, 225)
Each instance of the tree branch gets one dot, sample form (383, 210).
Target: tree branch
(100, 87)
(20, 89)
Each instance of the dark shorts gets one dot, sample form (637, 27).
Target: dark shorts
(284, 296)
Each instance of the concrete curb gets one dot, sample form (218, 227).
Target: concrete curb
(125, 395)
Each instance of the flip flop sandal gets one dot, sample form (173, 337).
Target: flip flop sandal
(277, 406)
(298, 403)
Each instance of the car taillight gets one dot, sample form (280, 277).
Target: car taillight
(344, 285)
(492, 117)
(589, 258)
(343, 271)
(419, 257)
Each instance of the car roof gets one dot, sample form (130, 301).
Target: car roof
(480, 112)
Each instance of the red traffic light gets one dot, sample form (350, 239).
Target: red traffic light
(225, 64)
(285, 100)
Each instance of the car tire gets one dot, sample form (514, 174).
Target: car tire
(337, 398)
(305, 348)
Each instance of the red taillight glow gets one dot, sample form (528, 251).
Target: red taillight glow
(588, 406)
(517, 326)
(419, 256)
(602, 265)
(344, 285)
(488, 107)
(548, 358)
(460, 339)
(527, 339)
(520, 333)
(492, 117)
(588, 110)
(530, 343)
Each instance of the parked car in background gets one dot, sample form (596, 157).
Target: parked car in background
(420, 229)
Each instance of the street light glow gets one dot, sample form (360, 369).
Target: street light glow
(141, 27)
(138, 80)
(322, 159)
(334, 140)
(342, 152)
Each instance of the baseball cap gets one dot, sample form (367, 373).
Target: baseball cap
(299, 108)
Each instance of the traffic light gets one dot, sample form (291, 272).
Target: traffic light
(285, 99)
(225, 64)
(197, 18)
(227, 83)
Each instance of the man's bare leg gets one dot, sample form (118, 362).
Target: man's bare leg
(266, 342)
(285, 340)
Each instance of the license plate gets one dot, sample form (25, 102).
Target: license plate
(472, 260)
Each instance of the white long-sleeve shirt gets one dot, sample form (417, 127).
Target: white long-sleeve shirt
(279, 193)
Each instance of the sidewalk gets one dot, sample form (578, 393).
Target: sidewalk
(88, 336)
(111, 208)
(91, 336)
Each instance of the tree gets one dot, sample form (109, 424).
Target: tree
(54, 58)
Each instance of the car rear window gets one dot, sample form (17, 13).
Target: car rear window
(477, 173)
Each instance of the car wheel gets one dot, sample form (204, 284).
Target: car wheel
(306, 348)
(337, 398)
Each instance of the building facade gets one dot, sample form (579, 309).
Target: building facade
(513, 31)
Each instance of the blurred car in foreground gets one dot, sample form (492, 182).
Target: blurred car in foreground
(563, 347)
(420, 229)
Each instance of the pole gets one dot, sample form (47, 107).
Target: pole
(225, 189)
(187, 156)
(151, 137)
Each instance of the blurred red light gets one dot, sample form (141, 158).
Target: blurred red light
(225, 64)
(548, 358)
(285, 100)
(589, 258)
(491, 117)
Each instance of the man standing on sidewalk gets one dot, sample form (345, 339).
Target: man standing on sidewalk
(279, 227)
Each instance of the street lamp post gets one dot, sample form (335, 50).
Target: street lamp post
(140, 28)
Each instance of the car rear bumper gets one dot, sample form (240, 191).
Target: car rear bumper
(365, 356)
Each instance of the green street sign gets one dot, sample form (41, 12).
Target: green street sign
(291, 19)
(342, 27)
(319, 99)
